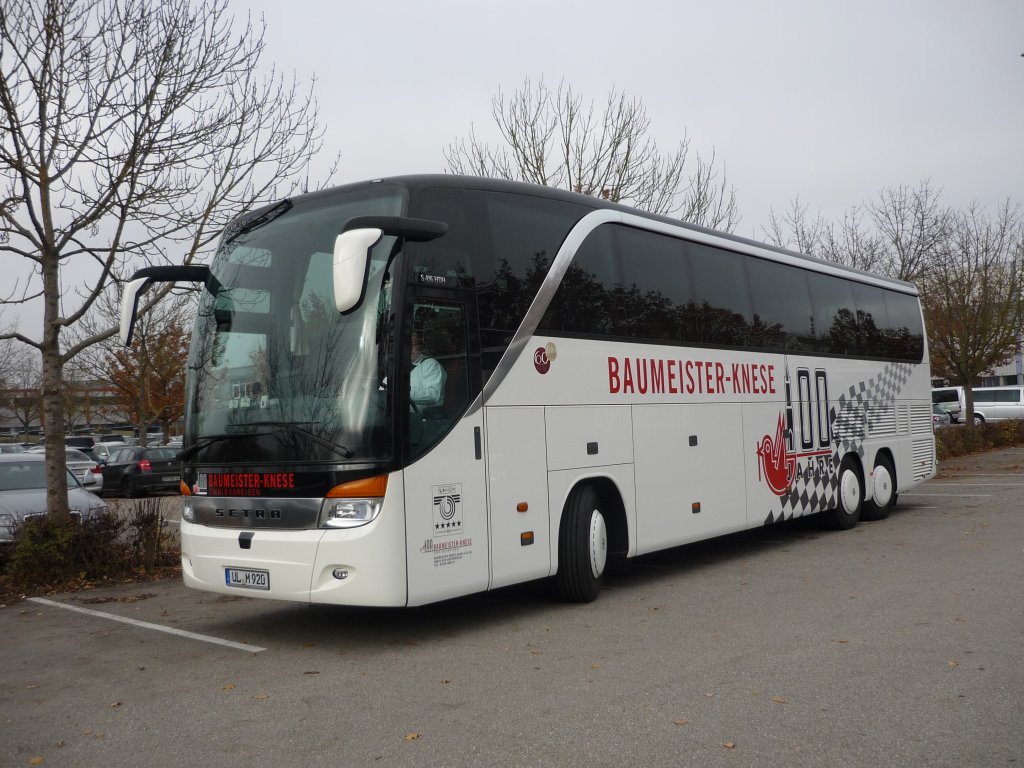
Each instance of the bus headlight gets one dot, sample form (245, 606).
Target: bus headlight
(348, 513)
(353, 504)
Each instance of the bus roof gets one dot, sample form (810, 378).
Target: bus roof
(415, 182)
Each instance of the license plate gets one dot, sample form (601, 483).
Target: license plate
(169, 478)
(247, 578)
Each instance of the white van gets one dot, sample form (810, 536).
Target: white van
(951, 400)
(998, 404)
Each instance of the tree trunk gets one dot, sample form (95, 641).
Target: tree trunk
(53, 401)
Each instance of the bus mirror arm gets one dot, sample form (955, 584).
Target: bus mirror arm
(145, 277)
(352, 251)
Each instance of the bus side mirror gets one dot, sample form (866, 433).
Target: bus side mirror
(351, 258)
(352, 251)
(130, 306)
(141, 280)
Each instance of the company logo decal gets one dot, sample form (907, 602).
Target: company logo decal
(825, 430)
(672, 376)
(543, 357)
(776, 466)
(779, 464)
(242, 483)
(446, 504)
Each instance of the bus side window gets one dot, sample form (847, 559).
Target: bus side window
(439, 333)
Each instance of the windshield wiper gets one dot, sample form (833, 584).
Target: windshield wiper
(254, 222)
(209, 440)
(341, 450)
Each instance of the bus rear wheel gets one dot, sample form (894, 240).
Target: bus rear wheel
(883, 497)
(582, 547)
(849, 501)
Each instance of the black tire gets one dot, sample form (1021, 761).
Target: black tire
(849, 498)
(582, 547)
(978, 419)
(883, 497)
(127, 488)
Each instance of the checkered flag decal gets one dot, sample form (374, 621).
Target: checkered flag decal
(848, 417)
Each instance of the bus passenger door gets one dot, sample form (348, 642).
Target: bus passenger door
(445, 490)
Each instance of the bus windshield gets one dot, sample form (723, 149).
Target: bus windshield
(275, 373)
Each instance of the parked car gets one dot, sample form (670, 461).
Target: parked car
(80, 441)
(998, 403)
(23, 493)
(113, 438)
(82, 466)
(101, 451)
(951, 400)
(940, 416)
(134, 470)
(11, 448)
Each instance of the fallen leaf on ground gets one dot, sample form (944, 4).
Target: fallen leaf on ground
(229, 687)
(729, 745)
(411, 736)
(680, 722)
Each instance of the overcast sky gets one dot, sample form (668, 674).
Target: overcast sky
(828, 100)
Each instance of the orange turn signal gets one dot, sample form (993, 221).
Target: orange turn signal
(368, 487)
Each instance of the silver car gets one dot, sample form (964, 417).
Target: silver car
(81, 467)
(23, 492)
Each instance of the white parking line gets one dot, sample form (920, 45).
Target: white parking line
(148, 625)
(942, 484)
(944, 495)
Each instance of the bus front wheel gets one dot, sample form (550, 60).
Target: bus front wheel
(849, 499)
(582, 546)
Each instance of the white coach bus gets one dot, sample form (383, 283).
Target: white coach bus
(596, 383)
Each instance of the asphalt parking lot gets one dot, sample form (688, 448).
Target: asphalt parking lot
(895, 644)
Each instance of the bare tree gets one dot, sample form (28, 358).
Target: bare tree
(130, 130)
(973, 295)
(795, 230)
(853, 243)
(896, 235)
(146, 382)
(22, 389)
(912, 224)
(9, 362)
(555, 139)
